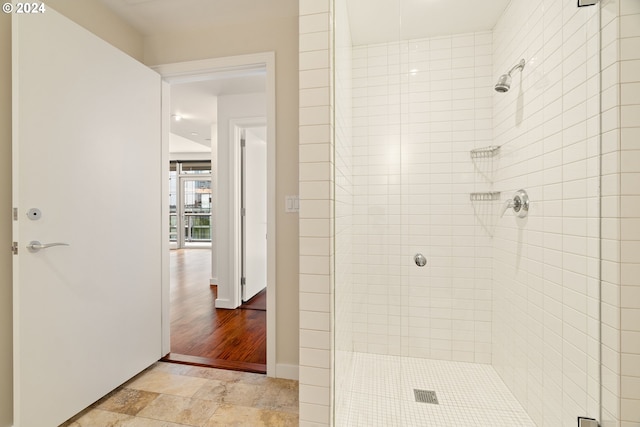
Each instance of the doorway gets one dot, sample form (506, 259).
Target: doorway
(223, 196)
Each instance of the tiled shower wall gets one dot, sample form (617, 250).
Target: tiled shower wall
(343, 288)
(620, 213)
(546, 266)
(554, 371)
(419, 107)
(316, 210)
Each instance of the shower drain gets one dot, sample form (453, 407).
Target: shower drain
(425, 396)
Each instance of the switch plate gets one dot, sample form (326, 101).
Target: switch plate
(291, 204)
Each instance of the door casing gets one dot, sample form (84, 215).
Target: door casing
(199, 70)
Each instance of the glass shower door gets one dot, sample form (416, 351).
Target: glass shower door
(433, 277)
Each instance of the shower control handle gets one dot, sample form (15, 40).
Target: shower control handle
(519, 203)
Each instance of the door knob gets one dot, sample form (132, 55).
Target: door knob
(35, 246)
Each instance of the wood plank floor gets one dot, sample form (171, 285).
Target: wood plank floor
(258, 302)
(203, 335)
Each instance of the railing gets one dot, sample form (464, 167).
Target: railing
(197, 227)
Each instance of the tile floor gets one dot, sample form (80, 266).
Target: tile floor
(172, 395)
(379, 392)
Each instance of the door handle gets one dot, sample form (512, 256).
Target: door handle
(35, 246)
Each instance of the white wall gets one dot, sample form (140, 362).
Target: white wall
(546, 267)
(229, 107)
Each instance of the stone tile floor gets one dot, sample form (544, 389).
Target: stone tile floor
(172, 395)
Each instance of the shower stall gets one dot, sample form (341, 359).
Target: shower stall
(467, 214)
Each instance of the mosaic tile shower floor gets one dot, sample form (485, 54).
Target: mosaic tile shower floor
(380, 392)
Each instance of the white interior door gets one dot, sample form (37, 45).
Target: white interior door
(87, 154)
(255, 204)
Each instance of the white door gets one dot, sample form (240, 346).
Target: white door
(254, 184)
(87, 155)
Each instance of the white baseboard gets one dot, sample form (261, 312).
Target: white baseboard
(289, 372)
(225, 303)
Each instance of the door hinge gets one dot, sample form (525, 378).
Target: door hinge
(14, 248)
(15, 214)
(243, 143)
(243, 212)
(243, 281)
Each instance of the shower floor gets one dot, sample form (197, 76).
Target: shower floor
(379, 392)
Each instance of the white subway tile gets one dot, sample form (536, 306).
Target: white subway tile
(309, 7)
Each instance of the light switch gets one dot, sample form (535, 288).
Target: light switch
(291, 204)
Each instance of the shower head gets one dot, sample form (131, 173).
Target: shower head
(504, 82)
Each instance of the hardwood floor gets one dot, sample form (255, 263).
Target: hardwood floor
(258, 302)
(203, 335)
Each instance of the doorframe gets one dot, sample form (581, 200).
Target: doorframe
(189, 71)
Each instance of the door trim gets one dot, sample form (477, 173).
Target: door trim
(189, 71)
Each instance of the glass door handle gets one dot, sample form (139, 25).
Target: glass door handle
(35, 246)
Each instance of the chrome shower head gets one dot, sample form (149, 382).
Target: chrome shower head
(504, 82)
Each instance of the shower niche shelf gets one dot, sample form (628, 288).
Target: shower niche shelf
(485, 152)
(485, 197)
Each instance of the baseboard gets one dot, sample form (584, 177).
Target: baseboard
(224, 303)
(213, 281)
(289, 372)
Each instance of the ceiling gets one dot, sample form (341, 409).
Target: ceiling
(152, 17)
(379, 21)
(196, 104)
(371, 21)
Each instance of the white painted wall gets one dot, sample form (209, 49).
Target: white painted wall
(229, 107)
